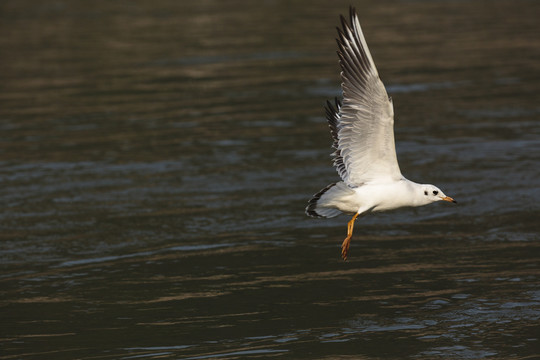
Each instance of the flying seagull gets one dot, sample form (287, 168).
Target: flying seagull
(365, 153)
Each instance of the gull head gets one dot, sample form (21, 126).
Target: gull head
(431, 193)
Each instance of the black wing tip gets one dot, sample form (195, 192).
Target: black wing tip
(354, 57)
(342, 37)
(344, 24)
(333, 108)
(332, 116)
(312, 213)
(353, 15)
(311, 209)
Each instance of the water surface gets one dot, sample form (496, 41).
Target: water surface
(156, 159)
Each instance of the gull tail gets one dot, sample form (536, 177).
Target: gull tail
(324, 203)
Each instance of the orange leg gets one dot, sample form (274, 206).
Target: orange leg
(347, 242)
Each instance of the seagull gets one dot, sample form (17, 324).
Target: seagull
(362, 128)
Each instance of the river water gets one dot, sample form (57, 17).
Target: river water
(156, 159)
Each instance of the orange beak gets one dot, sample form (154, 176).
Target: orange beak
(449, 199)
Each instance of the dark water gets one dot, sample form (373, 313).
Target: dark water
(156, 158)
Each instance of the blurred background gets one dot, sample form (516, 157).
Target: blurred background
(156, 159)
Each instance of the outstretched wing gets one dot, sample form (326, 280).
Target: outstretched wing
(365, 123)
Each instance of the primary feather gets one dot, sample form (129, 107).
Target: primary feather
(365, 122)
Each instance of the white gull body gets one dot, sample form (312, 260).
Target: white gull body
(363, 132)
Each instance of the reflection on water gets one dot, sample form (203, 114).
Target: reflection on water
(156, 159)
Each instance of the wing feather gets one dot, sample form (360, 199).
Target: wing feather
(363, 129)
(332, 115)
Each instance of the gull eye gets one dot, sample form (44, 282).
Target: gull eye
(425, 192)
(435, 192)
